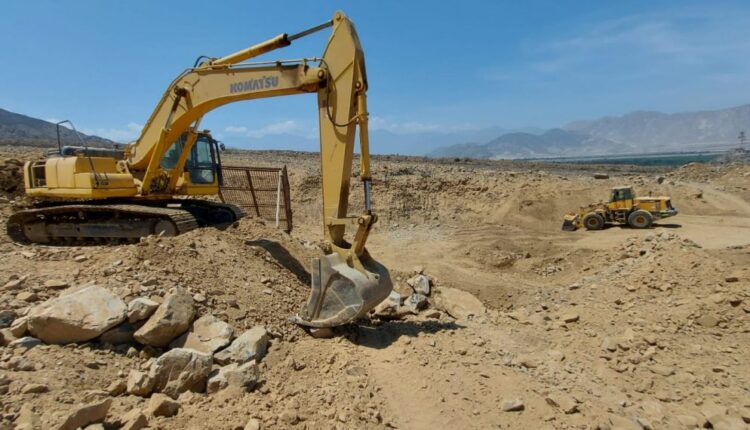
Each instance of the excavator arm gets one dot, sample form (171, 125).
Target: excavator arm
(346, 282)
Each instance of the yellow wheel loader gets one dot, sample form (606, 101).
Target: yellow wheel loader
(93, 194)
(623, 208)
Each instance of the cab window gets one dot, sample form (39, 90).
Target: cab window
(170, 158)
(201, 164)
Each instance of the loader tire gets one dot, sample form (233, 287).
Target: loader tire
(593, 221)
(640, 219)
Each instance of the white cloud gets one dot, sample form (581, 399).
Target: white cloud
(291, 127)
(414, 127)
(698, 37)
(123, 135)
(236, 130)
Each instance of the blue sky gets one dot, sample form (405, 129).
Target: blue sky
(442, 70)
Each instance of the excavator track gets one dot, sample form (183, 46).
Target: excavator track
(116, 222)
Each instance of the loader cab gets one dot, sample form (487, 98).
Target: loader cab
(622, 198)
(621, 193)
(203, 164)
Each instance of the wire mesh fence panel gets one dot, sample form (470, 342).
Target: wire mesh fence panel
(262, 192)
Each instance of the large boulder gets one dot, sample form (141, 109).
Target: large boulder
(139, 383)
(180, 370)
(76, 317)
(250, 345)
(208, 334)
(459, 304)
(83, 415)
(171, 319)
(242, 376)
(141, 308)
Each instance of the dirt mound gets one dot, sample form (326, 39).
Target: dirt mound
(11, 177)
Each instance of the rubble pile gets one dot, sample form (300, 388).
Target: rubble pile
(11, 177)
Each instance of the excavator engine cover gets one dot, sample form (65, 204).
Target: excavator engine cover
(341, 294)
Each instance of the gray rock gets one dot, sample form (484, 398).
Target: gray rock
(27, 296)
(171, 319)
(243, 376)
(117, 387)
(250, 345)
(77, 317)
(25, 342)
(20, 327)
(7, 317)
(180, 370)
(140, 309)
(14, 283)
(34, 389)
(139, 383)
(416, 302)
(391, 308)
(120, 335)
(26, 419)
(55, 284)
(161, 405)
(81, 416)
(420, 283)
(662, 370)
(208, 334)
(252, 424)
(565, 402)
(515, 405)
(708, 321)
(133, 420)
(458, 303)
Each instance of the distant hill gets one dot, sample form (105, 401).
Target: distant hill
(670, 131)
(17, 129)
(637, 132)
(551, 143)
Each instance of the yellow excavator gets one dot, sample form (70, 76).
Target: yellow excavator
(105, 194)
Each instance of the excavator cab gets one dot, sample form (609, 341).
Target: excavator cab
(202, 167)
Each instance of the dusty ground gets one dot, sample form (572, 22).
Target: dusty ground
(611, 329)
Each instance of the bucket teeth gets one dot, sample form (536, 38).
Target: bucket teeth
(341, 294)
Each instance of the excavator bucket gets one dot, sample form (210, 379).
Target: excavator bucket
(340, 293)
(570, 222)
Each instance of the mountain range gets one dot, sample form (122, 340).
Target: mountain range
(636, 132)
(17, 129)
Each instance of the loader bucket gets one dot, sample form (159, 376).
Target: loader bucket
(570, 223)
(341, 294)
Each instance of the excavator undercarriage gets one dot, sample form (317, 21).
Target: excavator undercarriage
(113, 222)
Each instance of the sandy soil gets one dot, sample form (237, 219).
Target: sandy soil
(616, 329)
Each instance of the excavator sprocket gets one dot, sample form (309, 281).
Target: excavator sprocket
(96, 222)
(341, 294)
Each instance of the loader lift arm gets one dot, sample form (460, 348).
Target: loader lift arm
(347, 282)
